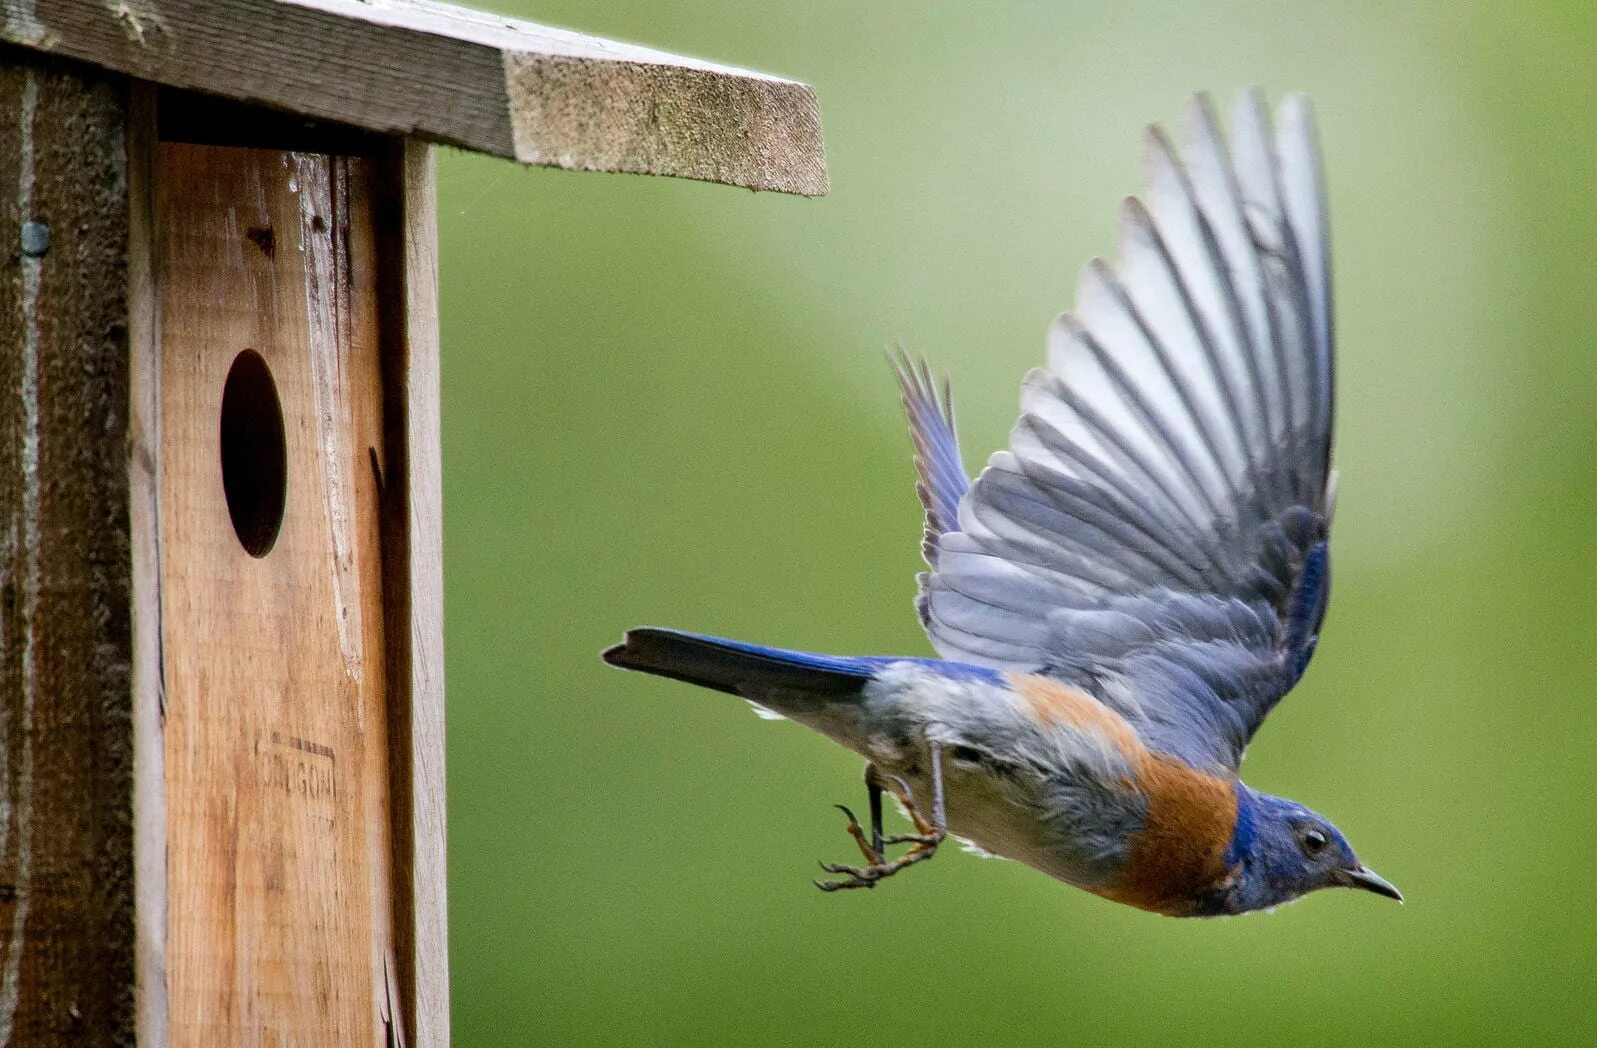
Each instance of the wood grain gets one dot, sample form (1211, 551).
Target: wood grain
(449, 74)
(425, 520)
(66, 576)
(413, 569)
(144, 502)
(280, 869)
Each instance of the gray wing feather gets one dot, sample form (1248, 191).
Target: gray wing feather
(1157, 528)
(940, 478)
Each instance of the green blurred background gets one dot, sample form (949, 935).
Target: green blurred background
(666, 402)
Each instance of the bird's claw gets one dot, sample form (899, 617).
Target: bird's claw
(925, 832)
(858, 876)
(923, 843)
(868, 876)
(872, 855)
(926, 839)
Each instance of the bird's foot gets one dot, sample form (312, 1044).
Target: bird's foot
(923, 843)
(867, 876)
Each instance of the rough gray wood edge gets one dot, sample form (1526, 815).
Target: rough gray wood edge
(67, 687)
(424, 466)
(144, 477)
(453, 75)
(412, 547)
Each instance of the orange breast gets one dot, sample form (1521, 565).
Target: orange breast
(1179, 852)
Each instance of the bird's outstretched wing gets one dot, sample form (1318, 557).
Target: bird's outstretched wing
(1157, 529)
(940, 477)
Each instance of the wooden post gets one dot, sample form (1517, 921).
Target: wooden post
(67, 587)
(221, 642)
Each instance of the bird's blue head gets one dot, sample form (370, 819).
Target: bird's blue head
(1281, 850)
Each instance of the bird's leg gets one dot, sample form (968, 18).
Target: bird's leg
(873, 786)
(927, 835)
(871, 849)
(923, 842)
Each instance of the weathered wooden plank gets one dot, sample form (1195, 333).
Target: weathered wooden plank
(67, 939)
(144, 479)
(424, 469)
(413, 585)
(280, 868)
(488, 83)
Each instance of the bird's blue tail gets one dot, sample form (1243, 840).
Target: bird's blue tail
(748, 670)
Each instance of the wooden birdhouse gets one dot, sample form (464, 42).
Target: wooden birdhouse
(221, 643)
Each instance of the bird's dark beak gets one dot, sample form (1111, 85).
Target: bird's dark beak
(1370, 881)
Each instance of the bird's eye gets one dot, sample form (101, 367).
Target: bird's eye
(1314, 842)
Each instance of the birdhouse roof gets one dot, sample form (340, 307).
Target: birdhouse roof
(449, 74)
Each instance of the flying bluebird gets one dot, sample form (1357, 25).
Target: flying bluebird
(1121, 597)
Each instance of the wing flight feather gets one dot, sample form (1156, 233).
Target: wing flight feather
(1157, 529)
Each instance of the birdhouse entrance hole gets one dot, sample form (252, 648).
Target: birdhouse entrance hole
(254, 456)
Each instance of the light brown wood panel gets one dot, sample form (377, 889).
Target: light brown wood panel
(280, 926)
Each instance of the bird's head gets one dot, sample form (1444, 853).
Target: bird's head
(1281, 850)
